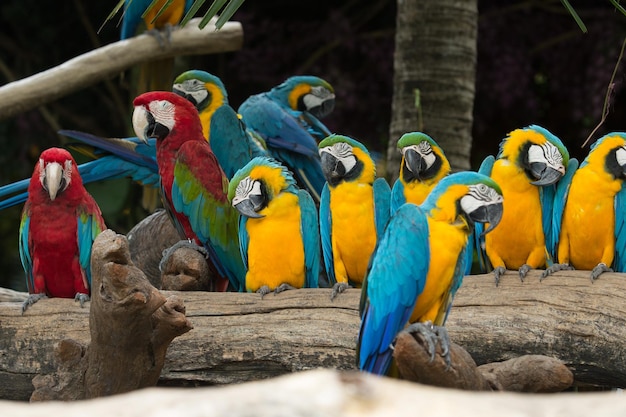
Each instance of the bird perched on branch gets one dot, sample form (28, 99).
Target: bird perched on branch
(354, 210)
(279, 229)
(530, 162)
(276, 116)
(423, 165)
(60, 221)
(589, 214)
(419, 264)
(193, 186)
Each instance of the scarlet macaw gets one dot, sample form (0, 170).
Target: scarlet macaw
(193, 186)
(60, 221)
(419, 263)
(423, 165)
(354, 210)
(529, 164)
(278, 233)
(589, 207)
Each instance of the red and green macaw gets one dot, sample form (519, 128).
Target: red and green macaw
(590, 211)
(193, 186)
(288, 139)
(419, 264)
(530, 162)
(60, 221)
(279, 229)
(423, 165)
(354, 210)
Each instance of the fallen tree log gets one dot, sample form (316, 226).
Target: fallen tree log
(109, 60)
(241, 337)
(328, 393)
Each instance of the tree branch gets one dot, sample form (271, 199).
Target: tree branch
(107, 61)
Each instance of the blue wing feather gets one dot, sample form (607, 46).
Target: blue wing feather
(25, 256)
(326, 234)
(382, 200)
(397, 196)
(620, 230)
(560, 198)
(394, 282)
(310, 238)
(476, 239)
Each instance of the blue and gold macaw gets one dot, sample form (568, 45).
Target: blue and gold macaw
(423, 165)
(354, 210)
(307, 98)
(419, 263)
(278, 230)
(530, 162)
(287, 140)
(590, 208)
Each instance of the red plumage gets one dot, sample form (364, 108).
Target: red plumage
(52, 241)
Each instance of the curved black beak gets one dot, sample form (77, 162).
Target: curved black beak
(546, 175)
(490, 213)
(247, 208)
(185, 95)
(323, 109)
(414, 162)
(331, 167)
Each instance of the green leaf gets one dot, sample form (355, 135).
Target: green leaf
(215, 7)
(192, 12)
(618, 6)
(577, 18)
(228, 12)
(116, 9)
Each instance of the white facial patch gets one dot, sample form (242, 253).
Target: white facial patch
(479, 195)
(195, 88)
(163, 112)
(424, 150)
(546, 153)
(620, 155)
(344, 153)
(317, 96)
(245, 188)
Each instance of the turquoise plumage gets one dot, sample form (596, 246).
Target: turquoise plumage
(420, 262)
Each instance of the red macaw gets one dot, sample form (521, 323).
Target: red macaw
(60, 221)
(193, 186)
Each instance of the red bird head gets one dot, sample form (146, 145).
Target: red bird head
(55, 172)
(160, 114)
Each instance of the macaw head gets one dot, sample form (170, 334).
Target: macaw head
(422, 158)
(345, 159)
(254, 186)
(203, 90)
(306, 93)
(55, 172)
(158, 113)
(609, 154)
(466, 197)
(541, 155)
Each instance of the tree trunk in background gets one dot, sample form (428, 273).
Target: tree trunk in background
(435, 54)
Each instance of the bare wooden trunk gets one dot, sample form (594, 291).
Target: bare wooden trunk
(241, 337)
(435, 57)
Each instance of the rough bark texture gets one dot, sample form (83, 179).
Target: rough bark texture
(435, 54)
(328, 393)
(241, 337)
(110, 60)
(131, 326)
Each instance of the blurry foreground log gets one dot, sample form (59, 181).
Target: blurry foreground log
(131, 326)
(328, 393)
(109, 60)
(241, 337)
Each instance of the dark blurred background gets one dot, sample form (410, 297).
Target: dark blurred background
(535, 65)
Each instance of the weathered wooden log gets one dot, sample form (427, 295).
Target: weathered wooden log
(328, 393)
(131, 326)
(239, 337)
(110, 60)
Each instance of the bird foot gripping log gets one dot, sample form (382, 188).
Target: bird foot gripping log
(131, 325)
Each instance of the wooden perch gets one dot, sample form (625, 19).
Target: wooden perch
(239, 337)
(131, 326)
(108, 61)
(328, 393)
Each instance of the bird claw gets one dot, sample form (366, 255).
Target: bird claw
(283, 287)
(555, 268)
(32, 299)
(498, 272)
(523, 271)
(263, 291)
(338, 288)
(81, 298)
(431, 335)
(598, 270)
